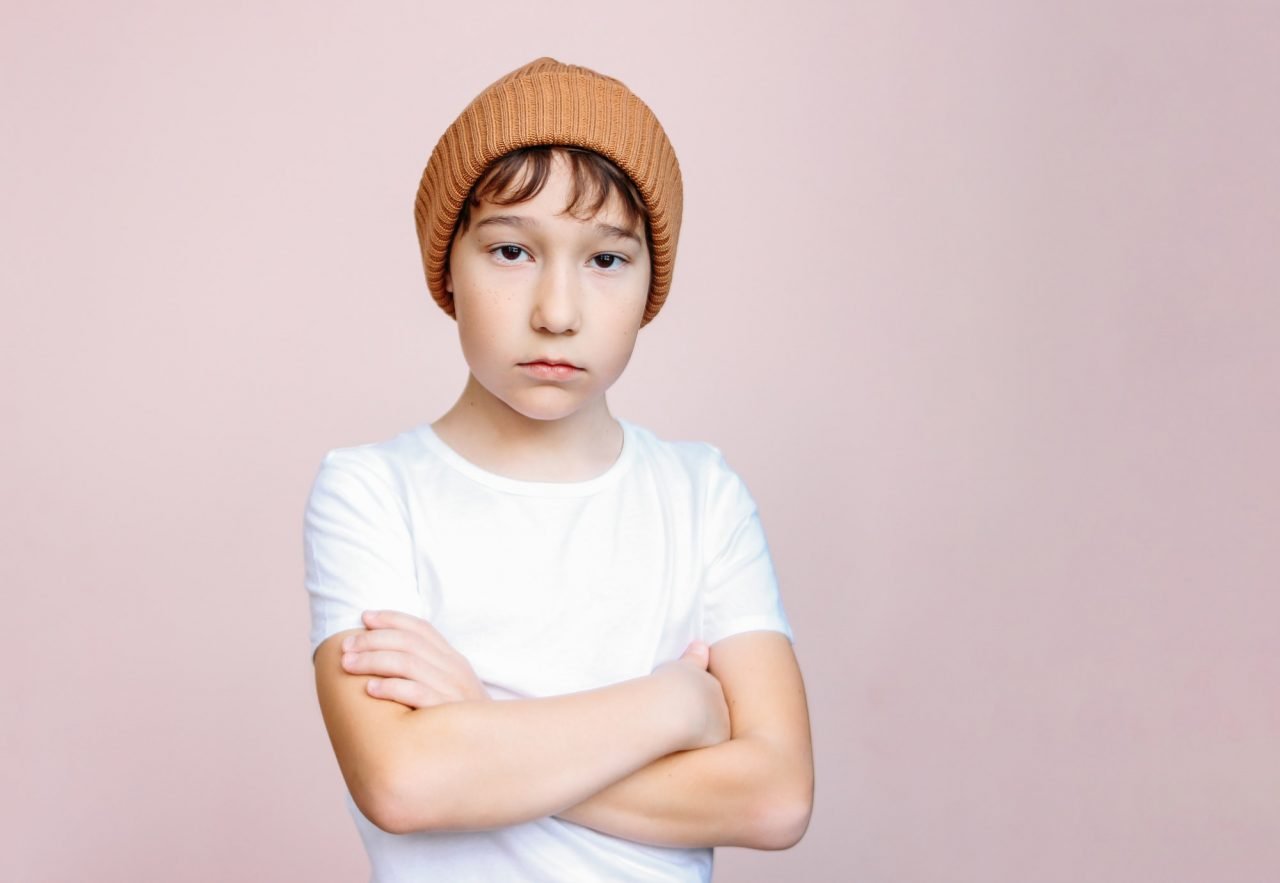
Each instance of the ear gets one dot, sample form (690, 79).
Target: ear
(448, 282)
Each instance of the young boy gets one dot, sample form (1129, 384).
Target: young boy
(613, 591)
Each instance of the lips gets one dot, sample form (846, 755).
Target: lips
(563, 362)
(554, 370)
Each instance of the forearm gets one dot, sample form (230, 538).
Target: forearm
(475, 765)
(743, 792)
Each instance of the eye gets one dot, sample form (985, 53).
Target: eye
(609, 261)
(508, 254)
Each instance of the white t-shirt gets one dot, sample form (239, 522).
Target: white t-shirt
(546, 588)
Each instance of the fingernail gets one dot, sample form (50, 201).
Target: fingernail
(349, 643)
(348, 658)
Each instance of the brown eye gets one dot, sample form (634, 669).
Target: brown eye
(511, 253)
(608, 261)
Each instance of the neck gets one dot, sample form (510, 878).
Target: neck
(491, 434)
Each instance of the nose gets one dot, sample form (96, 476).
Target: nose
(556, 303)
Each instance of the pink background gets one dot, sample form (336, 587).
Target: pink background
(981, 298)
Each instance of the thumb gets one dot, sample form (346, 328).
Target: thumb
(697, 653)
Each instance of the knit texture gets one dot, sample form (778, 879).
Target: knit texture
(547, 102)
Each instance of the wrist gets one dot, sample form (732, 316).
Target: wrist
(677, 707)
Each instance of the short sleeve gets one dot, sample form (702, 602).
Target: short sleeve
(740, 587)
(358, 546)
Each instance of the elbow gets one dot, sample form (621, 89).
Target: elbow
(385, 800)
(782, 826)
(416, 794)
(391, 817)
(393, 813)
(386, 817)
(384, 808)
(781, 818)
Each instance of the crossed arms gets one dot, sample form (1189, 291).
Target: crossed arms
(712, 749)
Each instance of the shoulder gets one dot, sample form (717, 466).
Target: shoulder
(699, 464)
(376, 469)
(385, 458)
(697, 459)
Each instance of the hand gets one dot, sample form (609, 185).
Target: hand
(709, 714)
(411, 662)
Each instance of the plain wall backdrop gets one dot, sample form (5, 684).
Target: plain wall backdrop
(981, 298)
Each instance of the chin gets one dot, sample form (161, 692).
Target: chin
(534, 409)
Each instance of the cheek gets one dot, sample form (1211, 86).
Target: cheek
(626, 307)
(622, 340)
(479, 332)
(478, 346)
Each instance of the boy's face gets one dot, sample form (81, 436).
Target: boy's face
(531, 284)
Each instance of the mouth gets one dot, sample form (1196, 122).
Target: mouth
(551, 369)
(554, 363)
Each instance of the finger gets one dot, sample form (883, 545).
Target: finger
(385, 663)
(380, 619)
(392, 664)
(388, 639)
(396, 619)
(698, 653)
(405, 692)
(393, 630)
(445, 659)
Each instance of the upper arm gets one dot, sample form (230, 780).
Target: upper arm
(739, 590)
(765, 694)
(358, 545)
(362, 730)
(359, 556)
(763, 689)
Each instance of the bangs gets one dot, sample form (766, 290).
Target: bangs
(520, 175)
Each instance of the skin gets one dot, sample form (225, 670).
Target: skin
(750, 785)
(727, 760)
(543, 284)
(473, 765)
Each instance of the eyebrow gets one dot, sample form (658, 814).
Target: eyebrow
(610, 230)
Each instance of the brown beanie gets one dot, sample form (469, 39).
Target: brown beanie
(547, 102)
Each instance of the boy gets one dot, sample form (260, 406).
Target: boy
(613, 590)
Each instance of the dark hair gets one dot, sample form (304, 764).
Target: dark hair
(521, 174)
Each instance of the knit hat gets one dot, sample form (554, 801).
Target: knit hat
(547, 102)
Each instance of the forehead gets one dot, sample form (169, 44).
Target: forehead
(599, 224)
(555, 185)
